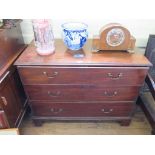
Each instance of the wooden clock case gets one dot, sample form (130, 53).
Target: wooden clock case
(100, 42)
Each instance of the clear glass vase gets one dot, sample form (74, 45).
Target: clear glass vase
(43, 35)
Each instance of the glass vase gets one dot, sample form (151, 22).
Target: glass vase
(43, 36)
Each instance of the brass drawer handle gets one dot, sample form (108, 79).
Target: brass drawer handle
(4, 100)
(54, 94)
(115, 77)
(51, 77)
(56, 111)
(106, 111)
(110, 94)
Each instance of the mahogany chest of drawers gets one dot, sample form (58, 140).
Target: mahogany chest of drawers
(82, 85)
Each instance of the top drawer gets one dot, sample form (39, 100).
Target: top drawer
(83, 75)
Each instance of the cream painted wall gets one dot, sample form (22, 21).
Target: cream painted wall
(140, 29)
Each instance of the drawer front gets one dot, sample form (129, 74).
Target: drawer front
(3, 121)
(84, 75)
(81, 109)
(81, 93)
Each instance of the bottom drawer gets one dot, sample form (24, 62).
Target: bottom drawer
(3, 121)
(82, 109)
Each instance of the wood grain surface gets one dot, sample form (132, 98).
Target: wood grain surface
(63, 56)
(105, 76)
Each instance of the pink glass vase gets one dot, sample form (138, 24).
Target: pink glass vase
(44, 40)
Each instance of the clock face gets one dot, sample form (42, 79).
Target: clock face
(115, 37)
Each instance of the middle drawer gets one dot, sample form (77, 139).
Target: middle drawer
(81, 93)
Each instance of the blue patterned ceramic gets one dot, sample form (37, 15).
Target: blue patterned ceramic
(74, 35)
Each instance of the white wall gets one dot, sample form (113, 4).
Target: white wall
(140, 29)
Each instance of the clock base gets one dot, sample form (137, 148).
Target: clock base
(97, 41)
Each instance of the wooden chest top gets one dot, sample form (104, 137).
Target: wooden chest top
(11, 46)
(63, 57)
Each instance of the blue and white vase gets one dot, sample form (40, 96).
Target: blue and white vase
(74, 35)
